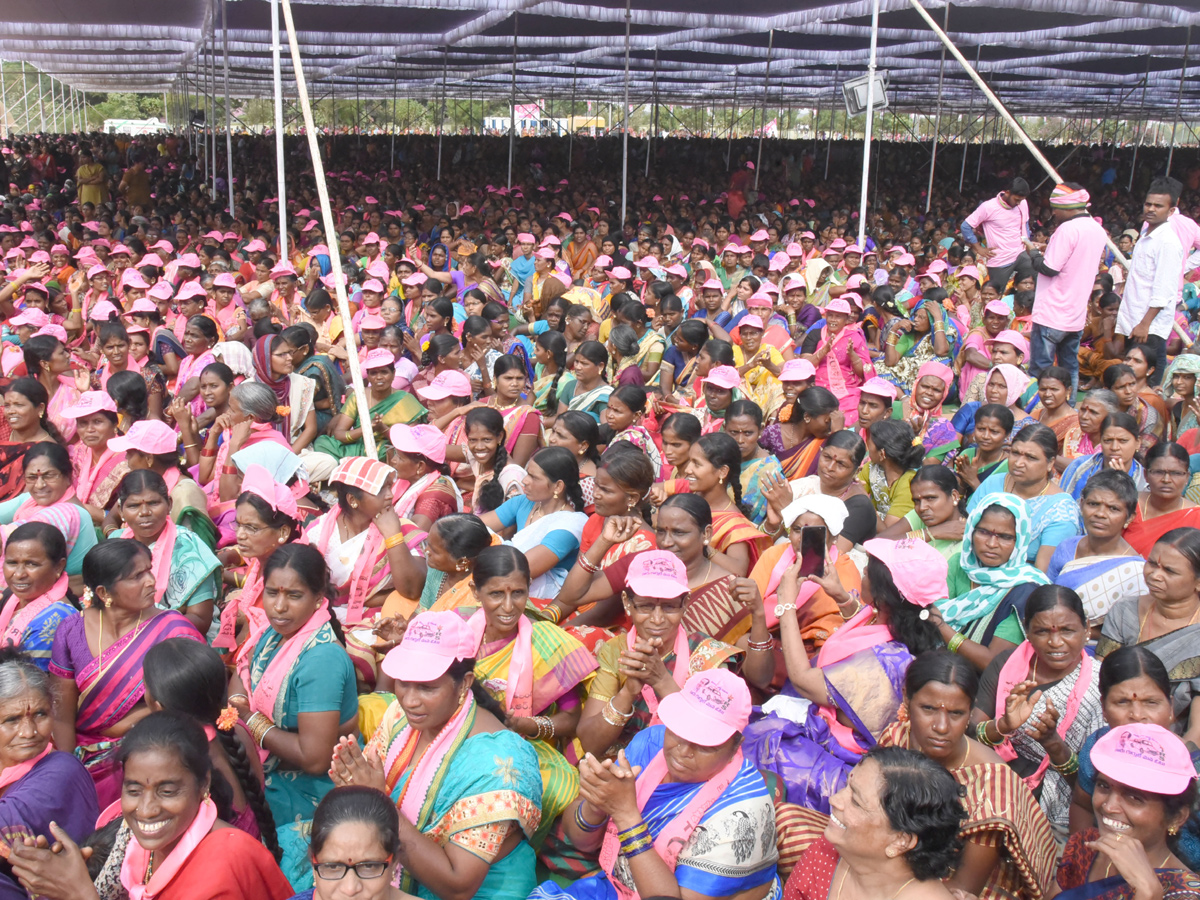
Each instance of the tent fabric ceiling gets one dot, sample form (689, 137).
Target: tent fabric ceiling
(1091, 57)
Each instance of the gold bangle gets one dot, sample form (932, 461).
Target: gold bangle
(394, 540)
(190, 446)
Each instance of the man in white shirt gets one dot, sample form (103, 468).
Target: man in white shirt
(1155, 280)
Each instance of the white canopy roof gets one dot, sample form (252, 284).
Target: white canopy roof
(1062, 58)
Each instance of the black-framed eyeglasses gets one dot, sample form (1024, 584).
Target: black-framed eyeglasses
(366, 870)
(1166, 473)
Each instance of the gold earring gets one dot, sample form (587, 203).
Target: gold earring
(108, 602)
(891, 854)
(1173, 830)
(556, 493)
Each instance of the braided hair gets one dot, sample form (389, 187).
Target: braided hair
(491, 495)
(722, 450)
(555, 344)
(188, 678)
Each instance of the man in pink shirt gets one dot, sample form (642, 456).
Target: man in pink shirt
(1005, 223)
(1066, 274)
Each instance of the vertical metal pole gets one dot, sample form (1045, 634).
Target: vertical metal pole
(280, 181)
(41, 101)
(762, 127)
(937, 122)
(653, 115)
(228, 120)
(732, 120)
(837, 74)
(1178, 98)
(395, 87)
(4, 99)
(966, 141)
(442, 110)
(982, 142)
(512, 107)
(24, 96)
(625, 123)
(357, 112)
(571, 118)
(1141, 124)
(866, 170)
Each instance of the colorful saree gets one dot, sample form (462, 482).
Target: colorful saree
(797, 461)
(562, 670)
(1100, 581)
(1142, 534)
(331, 387)
(398, 408)
(731, 527)
(836, 373)
(110, 687)
(1179, 651)
(32, 627)
(96, 479)
(470, 791)
(519, 421)
(193, 572)
(754, 472)
(640, 438)
(724, 850)
(1076, 864)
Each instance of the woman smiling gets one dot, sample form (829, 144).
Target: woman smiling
(172, 845)
(98, 468)
(35, 562)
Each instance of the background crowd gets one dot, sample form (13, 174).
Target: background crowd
(715, 555)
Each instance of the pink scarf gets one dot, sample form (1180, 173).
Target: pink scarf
(675, 834)
(13, 774)
(137, 858)
(807, 588)
(1018, 669)
(518, 694)
(91, 472)
(264, 695)
(833, 366)
(132, 365)
(171, 477)
(13, 623)
(247, 603)
(160, 558)
(360, 577)
(683, 659)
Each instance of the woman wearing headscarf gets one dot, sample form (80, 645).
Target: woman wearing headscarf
(273, 366)
(923, 409)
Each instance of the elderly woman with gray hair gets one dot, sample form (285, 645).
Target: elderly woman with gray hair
(1083, 438)
(250, 420)
(40, 785)
(624, 346)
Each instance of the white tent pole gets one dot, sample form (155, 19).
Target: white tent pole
(762, 127)
(1001, 109)
(653, 114)
(442, 109)
(1141, 124)
(962, 172)
(4, 101)
(212, 97)
(625, 123)
(732, 121)
(571, 118)
(166, 110)
(837, 74)
(512, 106)
(24, 95)
(277, 77)
(982, 144)
(358, 112)
(395, 87)
(866, 166)
(1187, 45)
(937, 124)
(330, 228)
(228, 122)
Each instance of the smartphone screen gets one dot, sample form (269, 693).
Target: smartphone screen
(812, 550)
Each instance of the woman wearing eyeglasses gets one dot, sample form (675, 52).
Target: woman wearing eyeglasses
(355, 838)
(1162, 507)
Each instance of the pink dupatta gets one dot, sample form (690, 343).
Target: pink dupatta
(13, 774)
(518, 695)
(246, 602)
(683, 659)
(14, 623)
(675, 834)
(358, 588)
(160, 558)
(137, 858)
(265, 693)
(1017, 669)
(92, 471)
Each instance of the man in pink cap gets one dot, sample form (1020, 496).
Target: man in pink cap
(875, 403)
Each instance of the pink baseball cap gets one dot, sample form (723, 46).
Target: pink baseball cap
(793, 282)
(97, 270)
(526, 238)
(751, 321)
(551, 240)
(797, 370)
(190, 290)
(282, 270)
(647, 262)
(30, 316)
(711, 708)
(839, 305)
(215, 235)
(372, 323)
(760, 298)
(601, 261)
(794, 250)
(91, 402)
(837, 244)
(880, 387)
(189, 261)
(132, 278)
(432, 643)
(938, 265)
(102, 311)
(713, 284)
(760, 235)
(998, 308)
(451, 383)
(259, 481)
(422, 440)
(932, 276)
(1144, 757)
(779, 262)
(146, 436)
(256, 246)
(726, 377)
(1008, 336)
(658, 575)
(969, 272)
(225, 280)
(378, 359)
(310, 226)
(415, 279)
(373, 284)
(544, 253)
(677, 269)
(918, 570)
(853, 297)
(854, 282)
(620, 273)
(162, 290)
(905, 259)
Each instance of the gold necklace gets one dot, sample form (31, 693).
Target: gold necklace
(842, 884)
(1146, 618)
